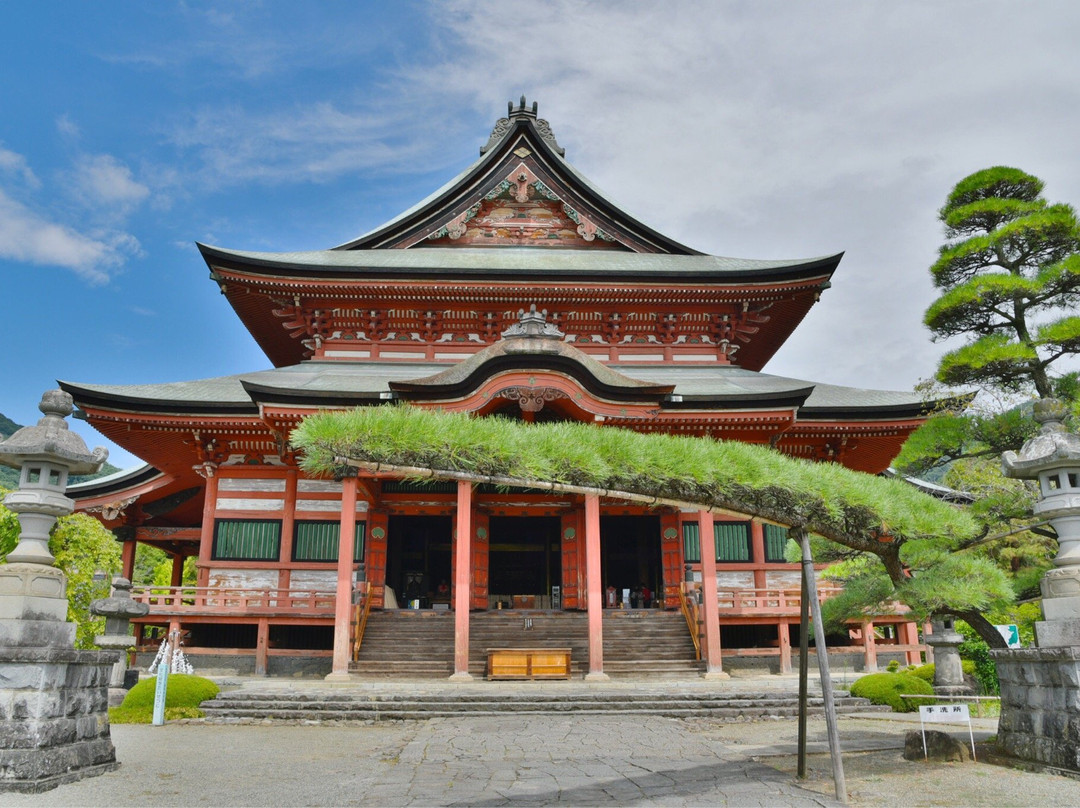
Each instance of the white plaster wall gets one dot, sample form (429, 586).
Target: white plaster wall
(243, 579)
(322, 580)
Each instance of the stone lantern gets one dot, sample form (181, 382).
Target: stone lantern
(55, 698)
(1053, 458)
(1040, 701)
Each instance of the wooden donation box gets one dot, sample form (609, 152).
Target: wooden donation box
(528, 663)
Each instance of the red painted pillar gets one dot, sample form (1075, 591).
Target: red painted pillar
(343, 606)
(757, 550)
(594, 597)
(127, 556)
(206, 537)
(909, 635)
(869, 648)
(176, 573)
(710, 611)
(462, 586)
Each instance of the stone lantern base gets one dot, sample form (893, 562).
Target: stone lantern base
(1040, 705)
(54, 720)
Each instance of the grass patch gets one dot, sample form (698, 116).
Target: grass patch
(182, 699)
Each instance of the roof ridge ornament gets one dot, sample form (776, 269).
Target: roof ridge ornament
(533, 324)
(504, 125)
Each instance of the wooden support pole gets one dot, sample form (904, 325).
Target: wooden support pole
(462, 581)
(804, 670)
(343, 599)
(783, 631)
(262, 646)
(594, 596)
(710, 610)
(823, 668)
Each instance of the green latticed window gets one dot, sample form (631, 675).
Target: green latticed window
(318, 541)
(691, 542)
(247, 539)
(732, 541)
(776, 539)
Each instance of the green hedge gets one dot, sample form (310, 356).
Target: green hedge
(886, 688)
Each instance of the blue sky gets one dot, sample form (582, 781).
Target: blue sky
(128, 131)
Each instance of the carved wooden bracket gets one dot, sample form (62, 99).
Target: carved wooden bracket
(530, 399)
(113, 510)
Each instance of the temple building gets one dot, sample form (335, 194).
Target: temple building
(517, 290)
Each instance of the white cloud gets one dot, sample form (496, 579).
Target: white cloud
(27, 236)
(67, 127)
(12, 163)
(103, 182)
(314, 143)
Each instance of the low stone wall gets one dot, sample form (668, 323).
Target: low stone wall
(54, 720)
(1040, 705)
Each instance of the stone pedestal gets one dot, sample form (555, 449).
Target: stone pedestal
(54, 720)
(1040, 687)
(1040, 705)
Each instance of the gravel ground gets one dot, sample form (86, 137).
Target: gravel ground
(537, 760)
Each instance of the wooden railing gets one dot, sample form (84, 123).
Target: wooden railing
(361, 610)
(215, 600)
(689, 606)
(769, 601)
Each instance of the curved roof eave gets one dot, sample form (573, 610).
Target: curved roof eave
(518, 262)
(112, 483)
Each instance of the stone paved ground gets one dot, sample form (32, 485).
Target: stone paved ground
(532, 760)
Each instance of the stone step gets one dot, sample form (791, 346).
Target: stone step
(335, 706)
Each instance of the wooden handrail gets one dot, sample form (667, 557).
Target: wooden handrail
(360, 618)
(219, 599)
(689, 611)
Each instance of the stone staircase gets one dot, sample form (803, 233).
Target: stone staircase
(406, 644)
(500, 698)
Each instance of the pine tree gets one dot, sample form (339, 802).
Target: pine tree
(1010, 275)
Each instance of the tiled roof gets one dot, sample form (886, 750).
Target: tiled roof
(517, 260)
(370, 379)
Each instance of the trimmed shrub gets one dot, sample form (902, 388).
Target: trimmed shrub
(185, 693)
(886, 688)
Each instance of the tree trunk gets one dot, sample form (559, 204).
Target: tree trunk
(984, 628)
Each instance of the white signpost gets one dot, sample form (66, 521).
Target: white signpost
(945, 714)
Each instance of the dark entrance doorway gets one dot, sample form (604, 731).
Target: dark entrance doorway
(630, 554)
(524, 560)
(418, 558)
